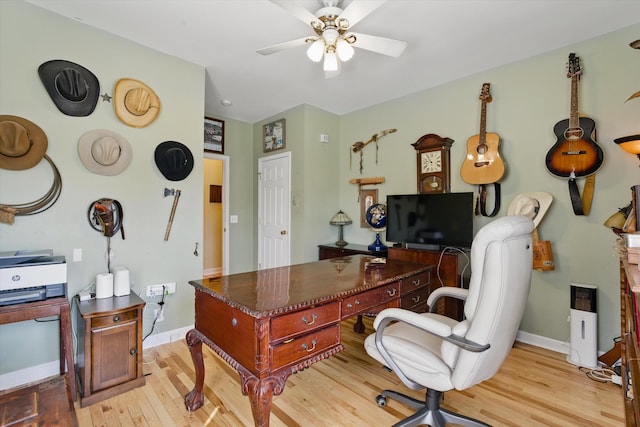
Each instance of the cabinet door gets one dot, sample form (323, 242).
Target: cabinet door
(114, 355)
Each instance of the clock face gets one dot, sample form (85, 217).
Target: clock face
(432, 184)
(431, 161)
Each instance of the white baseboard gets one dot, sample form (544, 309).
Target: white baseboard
(39, 372)
(543, 342)
(49, 369)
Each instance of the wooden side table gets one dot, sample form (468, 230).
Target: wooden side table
(109, 347)
(49, 307)
(334, 251)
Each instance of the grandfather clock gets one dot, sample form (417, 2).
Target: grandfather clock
(433, 163)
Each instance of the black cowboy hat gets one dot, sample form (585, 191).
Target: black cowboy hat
(73, 88)
(174, 160)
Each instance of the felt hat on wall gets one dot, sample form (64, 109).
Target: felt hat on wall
(22, 143)
(135, 103)
(532, 205)
(73, 88)
(104, 152)
(174, 160)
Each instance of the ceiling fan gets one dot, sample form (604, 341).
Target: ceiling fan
(333, 40)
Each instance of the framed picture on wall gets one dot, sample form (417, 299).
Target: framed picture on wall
(273, 135)
(367, 198)
(213, 135)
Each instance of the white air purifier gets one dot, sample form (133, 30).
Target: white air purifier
(584, 326)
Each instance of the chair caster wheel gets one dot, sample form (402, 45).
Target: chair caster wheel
(381, 400)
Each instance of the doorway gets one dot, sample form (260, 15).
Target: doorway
(274, 211)
(215, 239)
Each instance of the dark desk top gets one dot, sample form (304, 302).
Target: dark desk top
(266, 292)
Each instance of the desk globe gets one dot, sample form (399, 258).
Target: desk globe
(376, 217)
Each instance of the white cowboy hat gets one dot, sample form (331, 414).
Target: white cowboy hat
(104, 152)
(533, 205)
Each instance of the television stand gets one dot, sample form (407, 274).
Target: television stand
(451, 265)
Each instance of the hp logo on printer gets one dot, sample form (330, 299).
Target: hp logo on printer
(15, 278)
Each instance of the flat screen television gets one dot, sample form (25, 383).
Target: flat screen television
(430, 221)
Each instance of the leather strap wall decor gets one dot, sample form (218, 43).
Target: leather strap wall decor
(582, 204)
(481, 202)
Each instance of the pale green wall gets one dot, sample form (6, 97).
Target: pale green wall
(30, 36)
(529, 97)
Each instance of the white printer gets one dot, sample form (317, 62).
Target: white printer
(27, 276)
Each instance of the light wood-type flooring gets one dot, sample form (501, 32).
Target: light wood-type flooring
(535, 387)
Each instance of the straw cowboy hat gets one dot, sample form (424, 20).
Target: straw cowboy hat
(533, 205)
(22, 143)
(135, 103)
(73, 88)
(104, 152)
(174, 160)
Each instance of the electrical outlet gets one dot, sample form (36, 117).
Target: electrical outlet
(158, 314)
(158, 290)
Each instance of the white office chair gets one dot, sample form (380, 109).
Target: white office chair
(432, 351)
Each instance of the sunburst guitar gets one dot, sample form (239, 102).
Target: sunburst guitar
(575, 153)
(483, 164)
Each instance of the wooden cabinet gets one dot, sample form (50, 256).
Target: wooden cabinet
(448, 270)
(630, 354)
(334, 251)
(109, 358)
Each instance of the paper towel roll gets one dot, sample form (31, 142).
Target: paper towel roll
(120, 281)
(104, 285)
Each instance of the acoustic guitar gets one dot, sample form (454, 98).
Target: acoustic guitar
(575, 153)
(483, 164)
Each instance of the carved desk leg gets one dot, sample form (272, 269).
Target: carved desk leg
(358, 327)
(261, 392)
(195, 399)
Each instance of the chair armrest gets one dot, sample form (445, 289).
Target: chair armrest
(425, 323)
(446, 291)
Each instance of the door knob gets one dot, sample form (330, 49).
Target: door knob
(283, 232)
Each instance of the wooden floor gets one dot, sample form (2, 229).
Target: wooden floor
(535, 387)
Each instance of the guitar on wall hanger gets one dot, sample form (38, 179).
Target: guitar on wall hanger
(483, 164)
(575, 153)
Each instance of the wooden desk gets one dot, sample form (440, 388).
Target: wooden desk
(49, 307)
(269, 324)
(630, 351)
(335, 251)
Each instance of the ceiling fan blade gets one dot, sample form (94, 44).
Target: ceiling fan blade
(389, 47)
(359, 9)
(282, 46)
(296, 10)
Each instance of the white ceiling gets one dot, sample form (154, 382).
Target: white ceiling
(447, 40)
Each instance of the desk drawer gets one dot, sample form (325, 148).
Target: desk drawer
(114, 319)
(414, 282)
(416, 298)
(305, 346)
(288, 325)
(366, 300)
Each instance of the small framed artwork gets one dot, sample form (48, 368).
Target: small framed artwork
(273, 135)
(367, 198)
(213, 135)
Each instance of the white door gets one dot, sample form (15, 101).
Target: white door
(274, 211)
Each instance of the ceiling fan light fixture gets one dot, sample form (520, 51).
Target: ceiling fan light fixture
(316, 50)
(330, 60)
(330, 35)
(344, 49)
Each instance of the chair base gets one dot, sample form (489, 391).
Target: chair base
(428, 412)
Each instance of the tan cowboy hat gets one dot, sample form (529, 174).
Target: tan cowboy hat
(22, 143)
(104, 152)
(135, 103)
(533, 205)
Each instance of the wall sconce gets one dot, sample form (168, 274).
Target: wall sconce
(630, 144)
(340, 219)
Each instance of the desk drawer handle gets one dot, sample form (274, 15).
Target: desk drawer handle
(309, 350)
(416, 299)
(356, 302)
(133, 352)
(391, 292)
(116, 318)
(416, 282)
(313, 319)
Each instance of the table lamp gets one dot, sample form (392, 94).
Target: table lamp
(340, 219)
